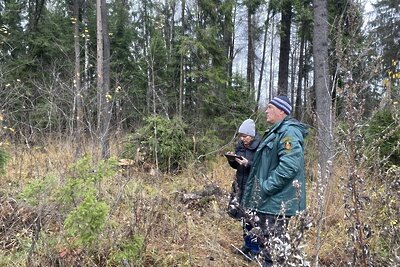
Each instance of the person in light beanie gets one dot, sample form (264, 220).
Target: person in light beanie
(245, 148)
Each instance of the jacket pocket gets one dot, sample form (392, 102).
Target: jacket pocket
(270, 145)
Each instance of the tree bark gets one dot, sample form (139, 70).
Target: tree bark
(231, 55)
(263, 59)
(250, 52)
(293, 68)
(297, 106)
(86, 79)
(228, 36)
(182, 62)
(271, 63)
(146, 39)
(324, 108)
(284, 49)
(103, 79)
(78, 104)
(35, 8)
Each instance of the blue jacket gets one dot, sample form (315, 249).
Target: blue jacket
(278, 168)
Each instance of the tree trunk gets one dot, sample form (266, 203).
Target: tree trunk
(100, 59)
(293, 68)
(146, 39)
(271, 62)
(169, 22)
(263, 59)
(103, 79)
(86, 83)
(228, 36)
(250, 52)
(35, 9)
(297, 106)
(284, 49)
(231, 55)
(182, 62)
(78, 105)
(324, 112)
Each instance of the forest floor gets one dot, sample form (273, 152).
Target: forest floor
(152, 219)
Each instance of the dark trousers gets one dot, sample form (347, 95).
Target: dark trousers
(250, 238)
(272, 226)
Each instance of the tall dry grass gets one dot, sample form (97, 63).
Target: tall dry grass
(175, 231)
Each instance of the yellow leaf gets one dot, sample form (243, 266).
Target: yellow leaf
(385, 82)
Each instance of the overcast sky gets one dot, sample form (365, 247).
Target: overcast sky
(240, 61)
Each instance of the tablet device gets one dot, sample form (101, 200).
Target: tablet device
(232, 157)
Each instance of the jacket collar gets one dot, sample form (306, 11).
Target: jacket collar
(276, 126)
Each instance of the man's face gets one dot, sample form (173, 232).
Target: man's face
(274, 114)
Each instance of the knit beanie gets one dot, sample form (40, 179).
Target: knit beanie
(283, 103)
(248, 127)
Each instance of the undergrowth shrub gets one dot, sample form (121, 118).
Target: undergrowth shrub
(161, 141)
(84, 179)
(382, 149)
(382, 137)
(3, 160)
(87, 220)
(40, 191)
(375, 174)
(207, 145)
(382, 206)
(128, 252)
(77, 199)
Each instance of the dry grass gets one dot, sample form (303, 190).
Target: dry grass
(197, 233)
(176, 232)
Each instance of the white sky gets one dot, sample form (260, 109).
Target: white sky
(241, 44)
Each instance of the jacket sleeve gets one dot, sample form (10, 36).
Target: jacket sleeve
(233, 164)
(290, 154)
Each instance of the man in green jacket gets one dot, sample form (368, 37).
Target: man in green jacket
(275, 189)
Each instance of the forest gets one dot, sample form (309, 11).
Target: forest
(115, 116)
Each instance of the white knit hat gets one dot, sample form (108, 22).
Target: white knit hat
(248, 127)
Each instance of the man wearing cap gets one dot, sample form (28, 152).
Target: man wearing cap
(275, 188)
